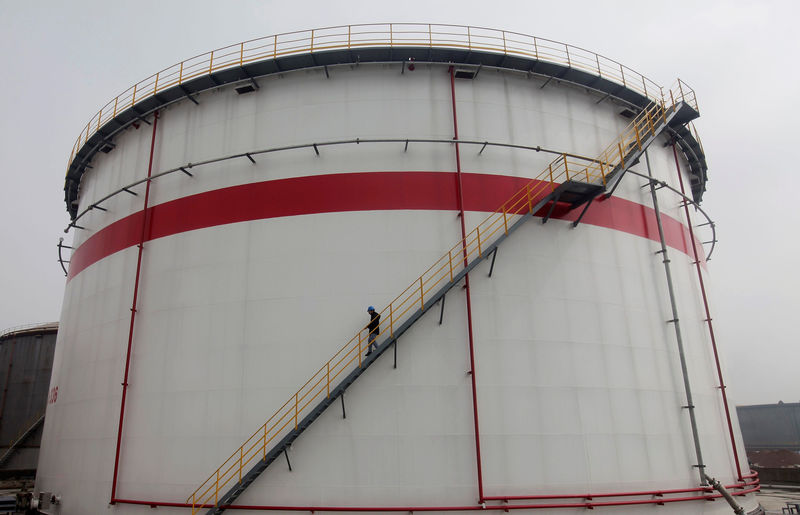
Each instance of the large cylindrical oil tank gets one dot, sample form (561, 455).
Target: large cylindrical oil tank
(234, 216)
(26, 359)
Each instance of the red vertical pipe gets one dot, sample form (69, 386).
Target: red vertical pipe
(145, 225)
(708, 319)
(466, 287)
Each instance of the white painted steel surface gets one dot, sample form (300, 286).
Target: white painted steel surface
(578, 380)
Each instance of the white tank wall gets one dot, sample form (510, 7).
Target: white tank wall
(579, 385)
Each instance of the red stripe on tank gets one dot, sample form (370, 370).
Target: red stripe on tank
(371, 191)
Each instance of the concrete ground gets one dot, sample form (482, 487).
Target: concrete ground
(773, 497)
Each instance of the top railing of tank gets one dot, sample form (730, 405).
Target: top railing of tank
(42, 326)
(370, 35)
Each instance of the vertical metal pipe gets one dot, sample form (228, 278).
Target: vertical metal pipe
(466, 289)
(145, 227)
(708, 321)
(676, 323)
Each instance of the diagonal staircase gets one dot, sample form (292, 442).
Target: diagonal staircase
(20, 439)
(568, 182)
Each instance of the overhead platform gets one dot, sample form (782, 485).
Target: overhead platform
(102, 139)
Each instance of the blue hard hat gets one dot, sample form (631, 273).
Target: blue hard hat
(371, 308)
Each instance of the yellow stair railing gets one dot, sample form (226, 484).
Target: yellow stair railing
(563, 168)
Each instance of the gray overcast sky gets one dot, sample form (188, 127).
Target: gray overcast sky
(62, 61)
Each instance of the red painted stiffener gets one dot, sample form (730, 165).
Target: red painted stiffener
(708, 321)
(145, 224)
(656, 497)
(460, 190)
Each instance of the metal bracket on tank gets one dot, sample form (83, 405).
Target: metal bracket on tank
(494, 255)
(441, 312)
(585, 209)
(344, 413)
(188, 95)
(287, 459)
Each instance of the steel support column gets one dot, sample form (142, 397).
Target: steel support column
(676, 324)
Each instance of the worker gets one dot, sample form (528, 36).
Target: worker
(373, 328)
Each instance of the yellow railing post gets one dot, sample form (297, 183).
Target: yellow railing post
(296, 407)
(329, 379)
(391, 319)
(603, 173)
(550, 167)
(391, 36)
(505, 48)
(99, 117)
(478, 230)
(265, 442)
(621, 156)
(430, 36)
(638, 139)
(421, 294)
(211, 62)
(566, 168)
(450, 260)
(469, 38)
(528, 194)
(155, 86)
(116, 99)
(180, 76)
(241, 54)
(312, 41)
(359, 349)
(133, 99)
(216, 490)
(241, 454)
(505, 220)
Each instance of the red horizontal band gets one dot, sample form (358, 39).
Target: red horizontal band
(373, 191)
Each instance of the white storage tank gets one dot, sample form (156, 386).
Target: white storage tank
(235, 214)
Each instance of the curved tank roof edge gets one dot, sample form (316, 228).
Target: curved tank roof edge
(690, 147)
(25, 330)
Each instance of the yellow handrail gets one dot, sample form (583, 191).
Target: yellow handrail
(372, 35)
(457, 258)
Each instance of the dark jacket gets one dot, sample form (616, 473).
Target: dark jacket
(374, 323)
